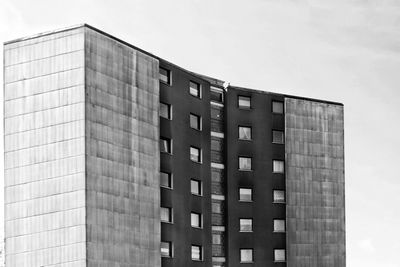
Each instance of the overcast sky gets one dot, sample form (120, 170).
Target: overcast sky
(340, 50)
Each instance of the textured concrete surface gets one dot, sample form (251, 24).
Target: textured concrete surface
(315, 184)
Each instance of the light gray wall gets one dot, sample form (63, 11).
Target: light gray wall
(122, 139)
(315, 184)
(45, 151)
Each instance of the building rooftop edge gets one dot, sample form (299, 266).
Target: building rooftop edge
(211, 80)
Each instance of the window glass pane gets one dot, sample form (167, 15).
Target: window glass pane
(195, 122)
(244, 133)
(194, 89)
(165, 179)
(278, 137)
(195, 187)
(279, 255)
(279, 196)
(245, 194)
(195, 154)
(246, 255)
(196, 252)
(279, 225)
(165, 75)
(277, 107)
(166, 249)
(216, 96)
(278, 166)
(244, 163)
(195, 219)
(166, 214)
(216, 207)
(165, 145)
(165, 111)
(244, 102)
(216, 239)
(246, 225)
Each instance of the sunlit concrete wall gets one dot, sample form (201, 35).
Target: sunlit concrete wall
(315, 184)
(122, 140)
(44, 105)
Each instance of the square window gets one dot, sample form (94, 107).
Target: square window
(279, 226)
(244, 133)
(244, 164)
(195, 154)
(166, 214)
(216, 207)
(246, 255)
(165, 111)
(165, 145)
(246, 225)
(279, 255)
(195, 187)
(195, 220)
(165, 75)
(277, 107)
(197, 253)
(279, 196)
(245, 194)
(244, 102)
(195, 89)
(278, 166)
(278, 137)
(166, 249)
(217, 239)
(165, 180)
(195, 122)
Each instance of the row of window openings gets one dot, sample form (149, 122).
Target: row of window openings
(166, 112)
(246, 254)
(194, 152)
(245, 133)
(245, 164)
(194, 87)
(244, 102)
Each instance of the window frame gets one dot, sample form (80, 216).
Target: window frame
(169, 142)
(282, 249)
(170, 178)
(251, 133)
(200, 154)
(169, 76)
(200, 252)
(200, 219)
(284, 225)
(251, 194)
(283, 137)
(200, 187)
(170, 249)
(244, 230)
(243, 97)
(240, 255)
(199, 121)
(251, 163)
(277, 201)
(273, 166)
(169, 106)
(199, 91)
(170, 215)
(280, 102)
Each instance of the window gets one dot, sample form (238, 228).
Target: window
(216, 96)
(278, 166)
(166, 249)
(279, 225)
(195, 187)
(195, 154)
(246, 225)
(216, 207)
(277, 107)
(216, 239)
(197, 253)
(194, 89)
(244, 164)
(279, 196)
(166, 214)
(278, 137)
(165, 145)
(245, 194)
(244, 133)
(195, 220)
(165, 111)
(246, 255)
(165, 180)
(279, 255)
(244, 102)
(165, 75)
(195, 122)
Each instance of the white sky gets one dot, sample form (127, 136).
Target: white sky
(340, 50)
